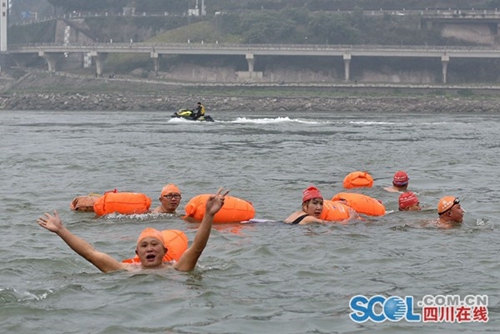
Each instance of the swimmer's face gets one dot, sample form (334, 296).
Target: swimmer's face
(150, 251)
(456, 213)
(314, 207)
(170, 201)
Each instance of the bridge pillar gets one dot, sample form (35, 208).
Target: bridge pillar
(99, 58)
(51, 59)
(445, 60)
(347, 66)
(251, 61)
(156, 61)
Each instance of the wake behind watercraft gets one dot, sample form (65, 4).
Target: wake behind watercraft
(189, 115)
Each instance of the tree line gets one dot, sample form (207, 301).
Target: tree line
(299, 26)
(181, 6)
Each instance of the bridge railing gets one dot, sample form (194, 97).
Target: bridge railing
(228, 46)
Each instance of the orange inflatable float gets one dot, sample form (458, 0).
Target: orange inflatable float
(334, 211)
(234, 209)
(176, 243)
(362, 203)
(358, 180)
(84, 203)
(122, 202)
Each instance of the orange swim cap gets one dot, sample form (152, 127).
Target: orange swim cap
(151, 232)
(400, 179)
(446, 203)
(170, 188)
(310, 193)
(407, 199)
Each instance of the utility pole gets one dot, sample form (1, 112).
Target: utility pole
(4, 8)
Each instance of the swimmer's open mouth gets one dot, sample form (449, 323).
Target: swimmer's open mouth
(151, 257)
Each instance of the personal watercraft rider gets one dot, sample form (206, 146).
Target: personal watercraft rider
(200, 111)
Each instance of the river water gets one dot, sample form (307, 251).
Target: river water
(265, 277)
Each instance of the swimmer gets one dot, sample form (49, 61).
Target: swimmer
(312, 206)
(399, 182)
(408, 201)
(84, 203)
(450, 212)
(170, 198)
(150, 246)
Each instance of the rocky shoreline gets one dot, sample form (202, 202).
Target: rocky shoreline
(39, 91)
(151, 102)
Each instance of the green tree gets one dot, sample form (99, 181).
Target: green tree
(333, 29)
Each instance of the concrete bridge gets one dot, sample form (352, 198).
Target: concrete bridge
(54, 54)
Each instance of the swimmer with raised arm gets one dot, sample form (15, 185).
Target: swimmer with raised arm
(150, 246)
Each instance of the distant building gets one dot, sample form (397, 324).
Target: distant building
(128, 11)
(198, 11)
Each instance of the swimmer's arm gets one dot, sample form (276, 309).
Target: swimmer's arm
(188, 260)
(312, 220)
(102, 261)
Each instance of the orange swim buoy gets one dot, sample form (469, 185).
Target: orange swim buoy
(234, 209)
(334, 211)
(362, 203)
(358, 180)
(176, 243)
(122, 202)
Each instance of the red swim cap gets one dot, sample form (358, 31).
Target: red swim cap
(400, 179)
(407, 199)
(310, 193)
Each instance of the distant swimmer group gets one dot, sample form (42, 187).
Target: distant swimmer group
(150, 246)
(342, 208)
(314, 205)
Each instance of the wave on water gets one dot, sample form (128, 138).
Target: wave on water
(139, 216)
(11, 295)
(184, 121)
(245, 120)
(372, 123)
(274, 120)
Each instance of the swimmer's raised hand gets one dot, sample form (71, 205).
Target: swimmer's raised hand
(215, 202)
(51, 223)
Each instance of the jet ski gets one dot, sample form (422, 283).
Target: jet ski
(188, 114)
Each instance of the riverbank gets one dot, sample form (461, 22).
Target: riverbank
(55, 92)
(120, 102)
